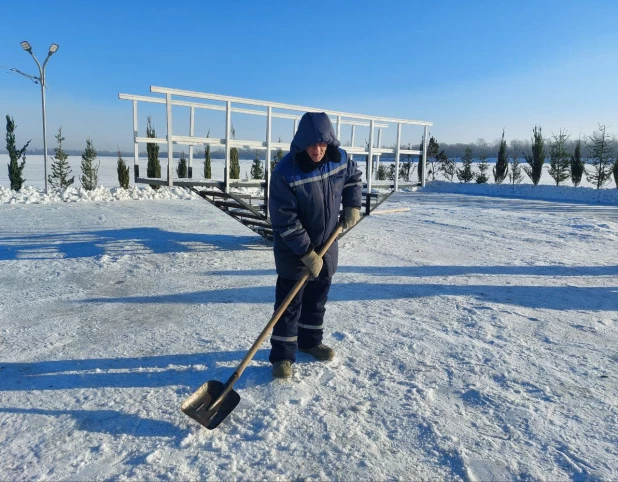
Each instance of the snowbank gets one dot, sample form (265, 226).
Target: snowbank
(30, 195)
(528, 191)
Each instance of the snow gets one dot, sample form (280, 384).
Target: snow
(475, 334)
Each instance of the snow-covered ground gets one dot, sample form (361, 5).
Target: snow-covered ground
(476, 339)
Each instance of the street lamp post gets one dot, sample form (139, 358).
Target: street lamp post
(52, 50)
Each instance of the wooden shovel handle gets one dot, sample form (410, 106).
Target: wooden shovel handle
(288, 299)
(214, 406)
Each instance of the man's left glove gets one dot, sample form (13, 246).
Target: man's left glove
(350, 217)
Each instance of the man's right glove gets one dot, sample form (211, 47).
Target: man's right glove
(313, 263)
(350, 216)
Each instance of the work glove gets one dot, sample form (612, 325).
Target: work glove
(350, 217)
(313, 263)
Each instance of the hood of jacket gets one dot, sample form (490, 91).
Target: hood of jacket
(313, 128)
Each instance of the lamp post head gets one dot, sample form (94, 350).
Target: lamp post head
(26, 46)
(53, 49)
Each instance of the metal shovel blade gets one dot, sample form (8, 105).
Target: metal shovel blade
(199, 405)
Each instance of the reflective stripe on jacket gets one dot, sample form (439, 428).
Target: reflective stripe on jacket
(304, 207)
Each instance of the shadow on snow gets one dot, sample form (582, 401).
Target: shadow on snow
(430, 270)
(117, 242)
(186, 371)
(603, 298)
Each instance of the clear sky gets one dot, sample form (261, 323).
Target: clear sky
(472, 68)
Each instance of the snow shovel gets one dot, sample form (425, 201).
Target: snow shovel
(214, 401)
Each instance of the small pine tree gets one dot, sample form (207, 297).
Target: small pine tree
(578, 166)
(154, 166)
(433, 150)
(535, 161)
(559, 161)
(382, 172)
(257, 172)
(181, 169)
(448, 168)
(60, 169)
(277, 156)
(501, 168)
(90, 173)
(15, 169)
(482, 177)
(466, 174)
(207, 166)
(123, 172)
(390, 172)
(601, 155)
(406, 168)
(515, 176)
(234, 162)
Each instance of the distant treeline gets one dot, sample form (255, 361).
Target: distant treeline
(455, 151)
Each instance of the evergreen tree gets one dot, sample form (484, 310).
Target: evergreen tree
(382, 172)
(515, 176)
(578, 166)
(15, 169)
(207, 166)
(234, 162)
(432, 156)
(481, 177)
(90, 173)
(447, 166)
(123, 172)
(559, 161)
(535, 161)
(277, 156)
(501, 168)
(601, 155)
(406, 168)
(466, 174)
(257, 172)
(154, 166)
(390, 172)
(60, 169)
(182, 168)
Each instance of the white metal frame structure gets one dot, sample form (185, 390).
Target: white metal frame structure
(269, 110)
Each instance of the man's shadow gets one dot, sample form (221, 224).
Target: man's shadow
(186, 371)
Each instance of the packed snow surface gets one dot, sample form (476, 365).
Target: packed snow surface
(476, 339)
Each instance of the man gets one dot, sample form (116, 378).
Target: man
(307, 189)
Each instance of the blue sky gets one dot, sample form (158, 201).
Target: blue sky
(472, 68)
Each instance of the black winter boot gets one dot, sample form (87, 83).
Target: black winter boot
(320, 352)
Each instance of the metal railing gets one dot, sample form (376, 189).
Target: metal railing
(294, 112)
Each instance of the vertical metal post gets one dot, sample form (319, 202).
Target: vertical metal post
(397, 154)
(135, 144)
(295, 128)
(352, 140)
(368, 168)
(424, 159)
(378, 156)
(338, 127)
(42, 73)
(191, 133)
(170, 146)
(267, 161)
(228, 134)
